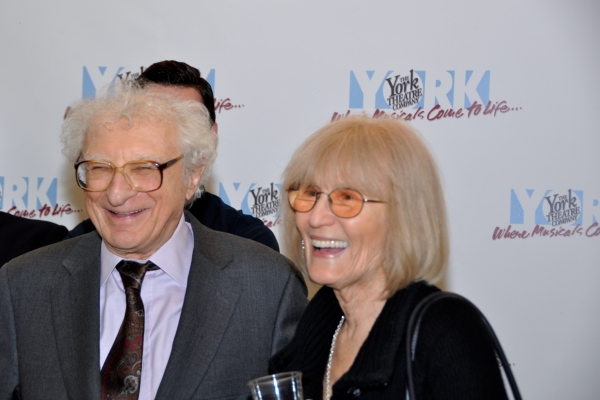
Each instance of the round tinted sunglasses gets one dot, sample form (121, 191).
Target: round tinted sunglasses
(344, 203)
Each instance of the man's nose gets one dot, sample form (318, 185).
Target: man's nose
(119, 190)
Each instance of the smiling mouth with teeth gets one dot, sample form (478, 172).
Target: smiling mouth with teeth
(125, 214)
(329, 244)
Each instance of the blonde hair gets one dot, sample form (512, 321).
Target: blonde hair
(386, 160)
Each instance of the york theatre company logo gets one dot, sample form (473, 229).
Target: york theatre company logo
(424, 94)
(97, 77)
(551, 213)
(260, 200)
(265, 201)
(562, 209)
(403, 91)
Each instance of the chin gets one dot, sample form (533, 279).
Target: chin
(322, 278)
(127, 241)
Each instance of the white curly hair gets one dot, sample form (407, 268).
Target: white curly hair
(197, 141)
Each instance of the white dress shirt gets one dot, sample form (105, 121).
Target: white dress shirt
(163, 292)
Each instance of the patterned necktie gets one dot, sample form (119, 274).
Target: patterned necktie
(122, 370)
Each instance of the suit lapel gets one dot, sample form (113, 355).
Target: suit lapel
(76, 318)
(210, 292)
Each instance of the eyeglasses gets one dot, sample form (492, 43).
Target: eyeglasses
(345, 203)
(143, 176)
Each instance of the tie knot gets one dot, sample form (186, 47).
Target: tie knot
(132, 273)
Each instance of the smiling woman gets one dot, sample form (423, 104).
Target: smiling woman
(382, 160)
(365, 217)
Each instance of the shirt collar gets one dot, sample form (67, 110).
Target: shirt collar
(174, 257)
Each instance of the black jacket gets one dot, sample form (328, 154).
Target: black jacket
(20, 235)
(454, 356)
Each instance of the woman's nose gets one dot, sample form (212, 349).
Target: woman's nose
(321, 213)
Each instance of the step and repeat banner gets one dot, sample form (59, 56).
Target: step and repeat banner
(505, 94)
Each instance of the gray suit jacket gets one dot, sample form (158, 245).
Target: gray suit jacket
(242, 303)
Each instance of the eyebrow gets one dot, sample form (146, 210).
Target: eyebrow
(151, 157)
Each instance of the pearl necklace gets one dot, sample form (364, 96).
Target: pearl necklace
(327, 394)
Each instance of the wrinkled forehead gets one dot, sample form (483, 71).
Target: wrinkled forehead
(111, 120)
(146, 135)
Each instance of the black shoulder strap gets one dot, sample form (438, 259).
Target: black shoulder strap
(412, 335)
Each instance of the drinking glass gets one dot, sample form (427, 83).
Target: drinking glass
(283, 386)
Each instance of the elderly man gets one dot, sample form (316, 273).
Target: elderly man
(155, 305)
(184, 81)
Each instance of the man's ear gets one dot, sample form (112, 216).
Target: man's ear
(194, 181)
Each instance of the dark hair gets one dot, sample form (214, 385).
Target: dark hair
(178, 73)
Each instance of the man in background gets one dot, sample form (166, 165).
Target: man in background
(184, 81)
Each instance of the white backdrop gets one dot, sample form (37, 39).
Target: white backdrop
(282, 69)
